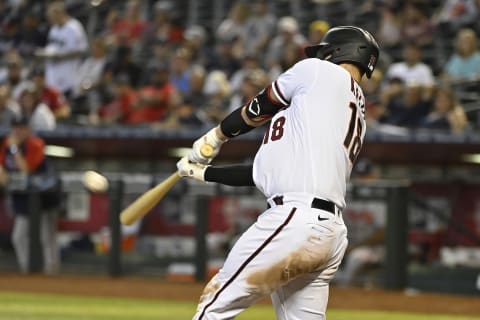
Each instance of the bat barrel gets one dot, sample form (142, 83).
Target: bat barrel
(147, 201)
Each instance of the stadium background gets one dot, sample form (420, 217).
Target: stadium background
(204, 54)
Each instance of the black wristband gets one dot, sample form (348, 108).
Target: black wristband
(234, 125)
(233, 175)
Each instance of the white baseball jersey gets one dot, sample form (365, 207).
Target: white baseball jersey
(293, 249)
(68, 38)
(311, 145)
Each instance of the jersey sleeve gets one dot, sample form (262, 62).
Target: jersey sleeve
(294, 79)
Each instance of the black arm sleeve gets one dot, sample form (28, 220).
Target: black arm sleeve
(233, 175)
(233, 125)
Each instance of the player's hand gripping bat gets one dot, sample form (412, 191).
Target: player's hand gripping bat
(149, 199)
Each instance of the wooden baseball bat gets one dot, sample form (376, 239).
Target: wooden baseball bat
(149, 199)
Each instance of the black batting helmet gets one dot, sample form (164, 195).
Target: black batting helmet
(347, 44)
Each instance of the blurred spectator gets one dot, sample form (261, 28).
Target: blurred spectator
(259, 29)
(407, 109)
(389, 30)
(4, 11)
(53, 98)
(416, 24)
(122, 65)
(180, 70)
(236, 81)
(15, 8)
(317, 30)
(372, 91)
(288, 36)
(253, 82)
(154, 100)
(413, 70)
(234, 27)
(447, 112)
(32, 34)
(183, 115)
(162, 29)
(117, 110)
(291, 54)
(217, 90)
(392, 90)
(128, 29)
(197, 81)
(88, 78)
(32, 107)
(161, 52)
(66, 44)
(224, 58)
(464, 64)
(456, 14)
(22, 152)
(195, 38)
(9, 108)
(9, 30)
(15, 73)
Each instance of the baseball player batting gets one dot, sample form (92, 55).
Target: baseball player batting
(316, 112)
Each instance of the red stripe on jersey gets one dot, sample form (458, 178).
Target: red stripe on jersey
(281, 97)
(270, 97)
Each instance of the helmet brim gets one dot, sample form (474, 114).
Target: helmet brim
(311, 51)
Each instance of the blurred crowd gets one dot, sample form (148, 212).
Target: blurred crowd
(137, 63)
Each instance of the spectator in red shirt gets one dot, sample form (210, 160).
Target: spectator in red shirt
(23, 153)
(53, 98)
(117, 110)
(154, 100)
(129, 29)
(162, 28)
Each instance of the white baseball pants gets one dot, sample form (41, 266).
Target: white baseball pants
(291, 252)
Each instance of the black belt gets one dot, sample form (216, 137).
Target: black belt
(317, 203)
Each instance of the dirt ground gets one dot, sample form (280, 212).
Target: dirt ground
(148, 288)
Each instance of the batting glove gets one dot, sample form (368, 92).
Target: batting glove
(192, 170)
(213, 139)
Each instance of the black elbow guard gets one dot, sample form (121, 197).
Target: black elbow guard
(257, 111)
(261, 107)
